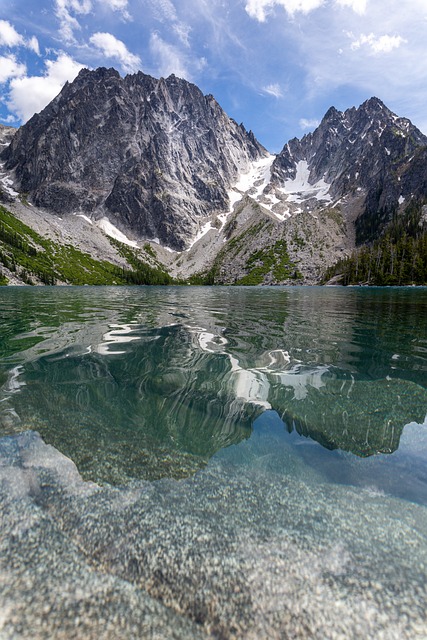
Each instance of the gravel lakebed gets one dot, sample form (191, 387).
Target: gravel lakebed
(238, 550)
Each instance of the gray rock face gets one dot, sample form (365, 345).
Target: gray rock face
(6, 192)
(156, 157)
(369, 152)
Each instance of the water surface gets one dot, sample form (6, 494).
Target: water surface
(150, 382)
(295, 414)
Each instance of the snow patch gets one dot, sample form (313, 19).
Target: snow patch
(107, 227)
(299, 188)
(234, 197)
(282, 216)
(6, 182)
(252, 182)
(82, 215)
(203, 231)
(273, 199)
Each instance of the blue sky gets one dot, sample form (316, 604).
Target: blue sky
(275, 65)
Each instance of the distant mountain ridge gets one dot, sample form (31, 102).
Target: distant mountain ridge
(161, 163)
(362, 156)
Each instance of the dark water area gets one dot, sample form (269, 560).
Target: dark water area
(315, 398)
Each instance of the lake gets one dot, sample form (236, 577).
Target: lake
(222, 462)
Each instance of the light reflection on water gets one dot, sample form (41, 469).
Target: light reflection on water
(150, 382)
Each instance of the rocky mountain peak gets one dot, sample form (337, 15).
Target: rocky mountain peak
(374, 105)
(351, 146)
(356, 161)
(154, 156)
(332, 115)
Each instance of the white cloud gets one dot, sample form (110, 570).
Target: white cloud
(381, 44)
(10, 68)
(30, 94)
(67, 10)
(164, 10)
(273, 90)
(33, 44)
(259, 9)
(183, 32)
(170, 60)
(10, 119)
(358, 6)
(9, 37)
(305, 123)
(200, 64)
(118, 5)
(111, 47)
(68, 23)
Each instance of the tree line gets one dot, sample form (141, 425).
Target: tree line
(397, 257)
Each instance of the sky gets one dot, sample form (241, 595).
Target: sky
(275, 65)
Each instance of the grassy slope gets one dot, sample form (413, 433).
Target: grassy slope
(36, 259)
(271, 263)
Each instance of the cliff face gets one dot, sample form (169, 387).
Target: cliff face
(6, 191)
(156, 157)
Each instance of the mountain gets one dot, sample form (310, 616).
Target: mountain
(160, 167)
(321, 196)
(156, 157)
(361, 160)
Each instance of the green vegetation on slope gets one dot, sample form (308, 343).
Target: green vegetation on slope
(398, 257)
(143, 273)
(233, 247)
(270, 264)
(274, 260)
(37, 259)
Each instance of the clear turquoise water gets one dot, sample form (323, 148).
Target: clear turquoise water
(261, 454)
(151, 382)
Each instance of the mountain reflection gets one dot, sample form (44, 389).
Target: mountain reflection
(139, 383)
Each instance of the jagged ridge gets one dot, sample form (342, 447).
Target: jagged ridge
(160, 159)
(365, 154)
(156, 156)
